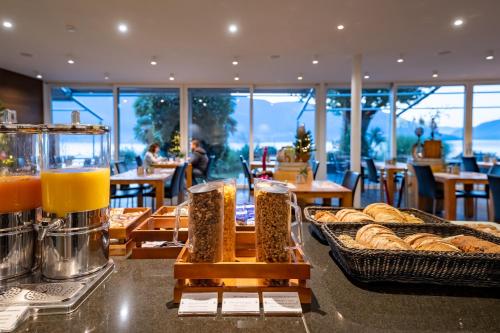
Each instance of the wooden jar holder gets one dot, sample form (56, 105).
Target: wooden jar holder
(124, 233)
(244, 275)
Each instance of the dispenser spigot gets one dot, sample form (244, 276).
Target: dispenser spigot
(46, 225)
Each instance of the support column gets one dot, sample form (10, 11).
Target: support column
(393, 149)
(320, 130)
(356, 86)
(469, 96)
(250, 143)
(185, 117)
(47, 104)
(116, 124)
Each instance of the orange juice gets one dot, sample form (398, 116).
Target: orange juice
(19, 193)
(74, 190)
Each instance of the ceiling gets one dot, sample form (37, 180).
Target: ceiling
(190, 39)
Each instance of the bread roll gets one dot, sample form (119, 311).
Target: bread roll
(437, 245)
(410, 218)
(325, 217)
(349, 242)
(419, 239)
(379, 237)
(352, 215)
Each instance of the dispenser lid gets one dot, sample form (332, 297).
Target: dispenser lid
(76, 128)
(8, 123)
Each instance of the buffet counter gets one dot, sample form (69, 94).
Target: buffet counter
(137, 298)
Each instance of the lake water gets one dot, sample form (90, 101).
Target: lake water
(479, 146)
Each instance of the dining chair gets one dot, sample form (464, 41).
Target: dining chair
(494, 170)
(248, 176)
(469, 163)
(172, 187)
(494, 184)
(427, 185)
(315, 168)
(373, 176)
(119, 194)
(351, 180)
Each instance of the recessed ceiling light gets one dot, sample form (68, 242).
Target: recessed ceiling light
(366, 76)
(106, 76)
(233, 28)
(70, 28)
(400, 59)
(340, 27)
(458, 22)
(153, 61)
(171, 77)
(300, 77)
(435, 74)
(123, 28)
(7, 24)
(236, 77)
(490, 56)
(315, 60)
(235, 61)
(39, 76)
(71, 61)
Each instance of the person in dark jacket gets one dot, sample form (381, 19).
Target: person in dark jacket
(199, 159)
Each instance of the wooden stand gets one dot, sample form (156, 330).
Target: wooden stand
(244, 275)
(123, 233)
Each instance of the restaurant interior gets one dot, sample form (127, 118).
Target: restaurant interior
(309, 166)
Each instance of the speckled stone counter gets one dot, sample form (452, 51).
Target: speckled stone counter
(136, 298)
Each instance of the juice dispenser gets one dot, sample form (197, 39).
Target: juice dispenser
(20, 195)
(75, 198)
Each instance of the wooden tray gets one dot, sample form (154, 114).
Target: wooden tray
(125, 231)
(121, 249)
(165, 210)
(245, 275)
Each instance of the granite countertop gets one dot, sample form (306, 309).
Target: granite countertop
(137, 298)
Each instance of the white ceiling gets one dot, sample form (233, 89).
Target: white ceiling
(190, 39)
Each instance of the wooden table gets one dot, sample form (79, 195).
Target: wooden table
(258, 164)
(323, 189)
(173, 165)
(486, 165)
(157, 180)
(449, 181)
(389, 171)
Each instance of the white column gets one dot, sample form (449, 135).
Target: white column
(185, 117)
(392, 102)
(116, 124)
(47, 103)
(469, 96)
(250, 143)
(320, 130)
(356, 86)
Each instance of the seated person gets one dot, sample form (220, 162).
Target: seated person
(199, 160)
(152, 156)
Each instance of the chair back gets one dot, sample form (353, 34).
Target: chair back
(494, 170)
(138, 161)
(176, 179)
(121, 167)
(350, 180)
(112, 186)
(182, 181)
(315, 168)
(494, 184)
(426, 181)
(248, 174)
(371, 170)
(469, 163)
(206, 174)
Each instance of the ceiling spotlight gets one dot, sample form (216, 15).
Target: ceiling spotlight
(400, 59)
(70, 28)
(366, 76)
(300, 77)
(236, 77)
(233, 28)
(39, 76)
(315, 60)
(71, 61)
(340, 27)
(122, 27)
(235, 61)
(106, 76)
(171, 77)
(153, 61)
(490, 55)
(7, 25)
(458, 22)
(435, 74)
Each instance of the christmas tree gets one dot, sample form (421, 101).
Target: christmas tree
(304, 144)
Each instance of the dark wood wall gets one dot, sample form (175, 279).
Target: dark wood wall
(23, 94)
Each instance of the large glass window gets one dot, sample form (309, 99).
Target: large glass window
(95, 106)
(486, 120)
(148, 115)
(277, 114)
(375, 122)
(220, 120)
(423, 106)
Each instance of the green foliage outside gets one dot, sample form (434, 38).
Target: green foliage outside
(404, 144)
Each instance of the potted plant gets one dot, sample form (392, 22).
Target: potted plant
(304, 144)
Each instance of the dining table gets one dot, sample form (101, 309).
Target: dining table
(486, 165)
(156, 179)
(175, 164)
(389, 172)
(322, 189)
(450, 182)
(258, 164)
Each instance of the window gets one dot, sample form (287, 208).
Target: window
(418, 106)
(277, 114)
(486, 120)
(148, 115)
(375, 122)
(220, 120)
(95, 106)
